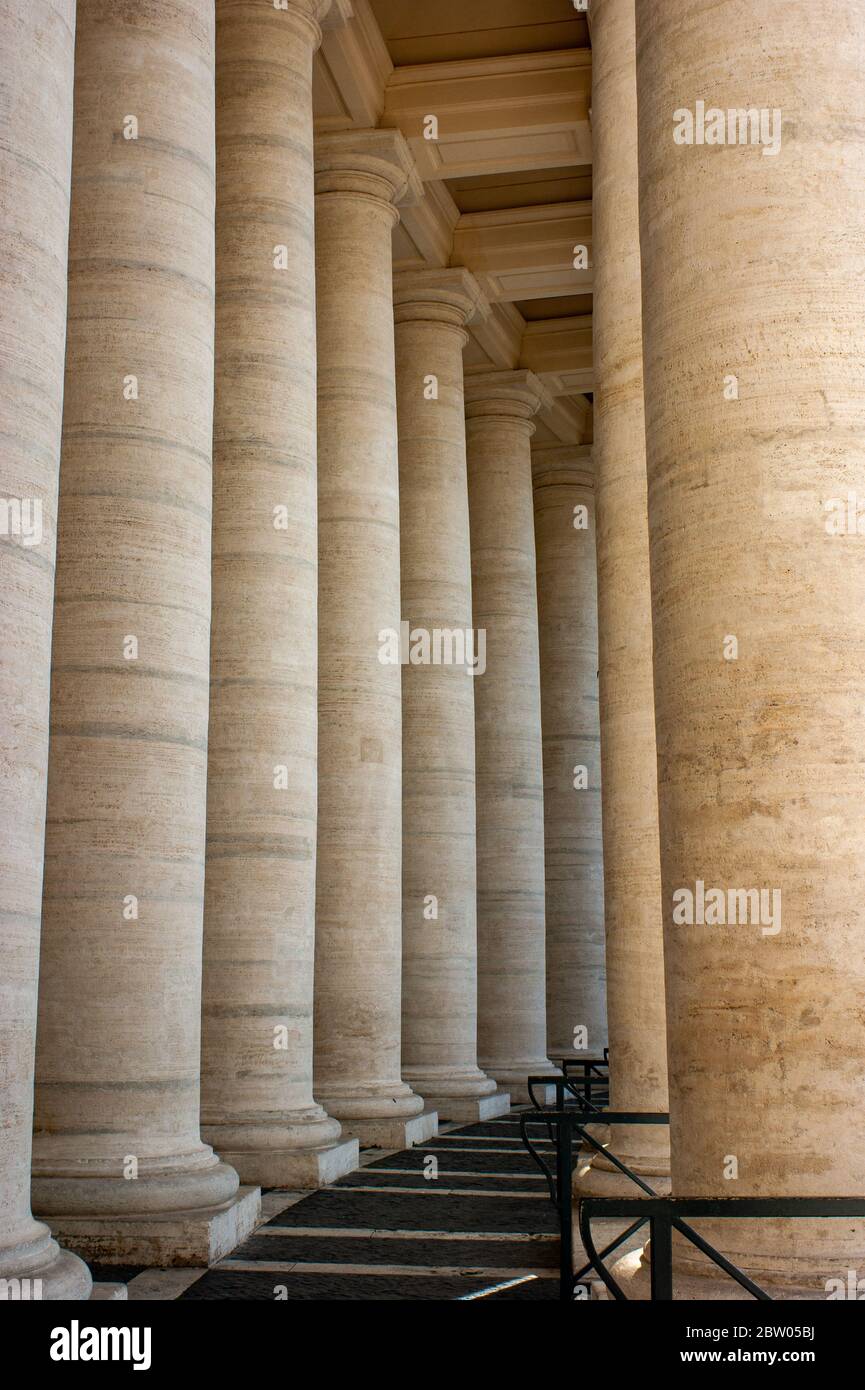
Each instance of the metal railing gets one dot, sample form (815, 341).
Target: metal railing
(586, 1079)
(662, 1214)
(565, 1123)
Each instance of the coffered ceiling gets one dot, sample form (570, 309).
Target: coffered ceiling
(508, 178)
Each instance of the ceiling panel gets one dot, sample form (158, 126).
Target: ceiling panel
(564, 306)
(525, 188)
(438, 31)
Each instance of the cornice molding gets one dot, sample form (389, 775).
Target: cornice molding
(498, 338)
(566, 419)
(430, 225)
(352, 69)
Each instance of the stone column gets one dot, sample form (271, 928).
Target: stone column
(362, 177)
(753, 262)
(439, 1015)
(512, 1030)
(564, 501)
(259, 928)
(35, 155)
(632, 865)
(119, 1166)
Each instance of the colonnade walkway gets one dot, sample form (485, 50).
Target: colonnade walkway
(466, 1216)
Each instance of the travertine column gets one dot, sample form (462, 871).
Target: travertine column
(361, 178)
(37, 40)
(439, 1006)
(568, 639)
(259, 930)
(512, 1030)
(117, 1151)
(753, 263)
(632, 865)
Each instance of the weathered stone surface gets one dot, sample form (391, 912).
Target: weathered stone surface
(564, 503)
(760, 771)
(510, 825)
(259, 906)
(183, 1238)
(117, 1101)
(439, 958)
(361, 177)
(35, 156)
(632, 863)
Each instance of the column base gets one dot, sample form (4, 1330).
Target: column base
(199, 1237)
(184, 1183)
(297, 1169)
(392, 1134)
(308, 1128)
(461, 1083)
(471, 1110)
(43, 1272)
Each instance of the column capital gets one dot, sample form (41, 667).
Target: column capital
(309, 13)
(450, 296)
(514, 396)
(563, 463)
(374, 164)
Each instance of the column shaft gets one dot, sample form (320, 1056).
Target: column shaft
(35, 154)
(361, 175)
(568, 641)
(439, 1015)
(632, 865)
(510, 813)
(117, 1100)
(753, 258)
(259, 928)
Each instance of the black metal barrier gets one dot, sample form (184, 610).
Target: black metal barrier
(663, 1214)
(565, 1122)
(588, 1078)
(583, 1079)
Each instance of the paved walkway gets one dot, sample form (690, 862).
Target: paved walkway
(467, 1216)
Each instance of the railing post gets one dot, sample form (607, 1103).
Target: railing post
(566, 1214)
(661, 1235)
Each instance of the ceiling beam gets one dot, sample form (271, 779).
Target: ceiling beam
(526, 253)
(351, 69)
(559, 351)
(495, 115)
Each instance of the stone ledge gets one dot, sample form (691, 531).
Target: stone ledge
(393, 1134)
(200, 1237)
(296, 1168)
(471, 1110)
